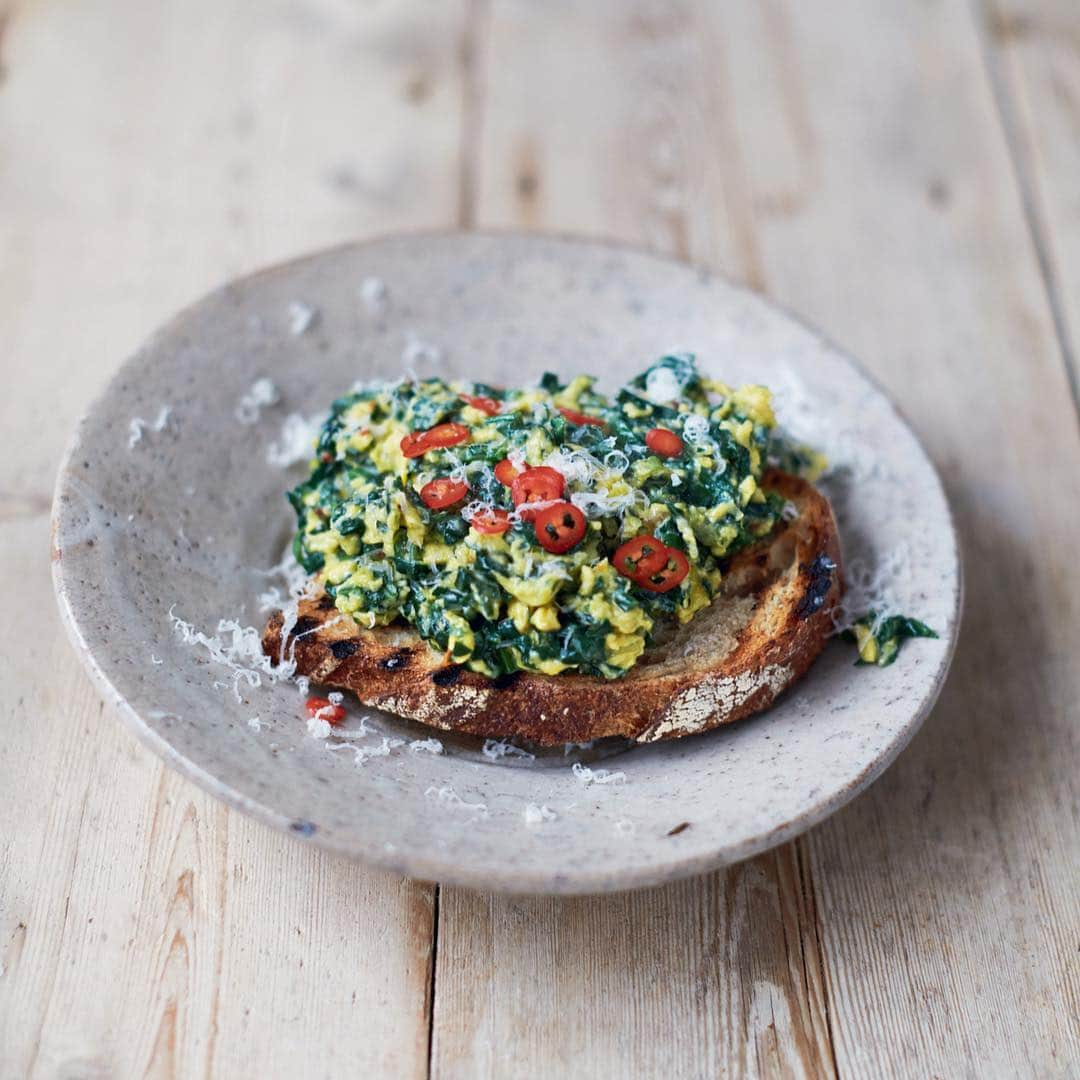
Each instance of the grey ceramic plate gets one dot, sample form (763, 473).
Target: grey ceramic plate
(187, 514)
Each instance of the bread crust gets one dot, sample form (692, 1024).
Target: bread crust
(765, 632)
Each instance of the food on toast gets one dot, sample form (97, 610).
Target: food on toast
(553, 563)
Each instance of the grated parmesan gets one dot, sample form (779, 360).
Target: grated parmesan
(138, 425)
(261, 394)
(662, 385)
(239, 648)
(297, 440)
(873, 586)
(594, 505)
(497, 749)
(319, 726)
(537, 815)
(431, 746)
(448, 797)
(301, 317)
(363, 754)
(588, 776)
(374, 293)
(417, 352)
(576, 466)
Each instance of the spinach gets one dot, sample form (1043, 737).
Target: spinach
(348, 519)
(681, 365)
(311, 561)
(582, 643)
(449, 526)
(491, 452)
(667, 532)
(888, 634)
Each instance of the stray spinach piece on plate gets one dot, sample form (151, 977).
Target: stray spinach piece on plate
(879, 639)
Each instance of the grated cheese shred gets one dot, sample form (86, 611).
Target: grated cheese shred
(262, 393)
(588, 776)
(138, 425)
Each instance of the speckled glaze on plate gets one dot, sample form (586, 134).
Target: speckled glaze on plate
(191, 515)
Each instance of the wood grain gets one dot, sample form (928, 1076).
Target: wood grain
(1033, 57)
(905, 177)
(694, 979)
(148, 152)
(591, 121)
(947, 894)
(833, 156)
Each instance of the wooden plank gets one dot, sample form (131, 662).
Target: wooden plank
(591, 121)
(149, 152)
(847, 157)
(1033, 55)
(708, 977)
(947, 894)
(131, 185)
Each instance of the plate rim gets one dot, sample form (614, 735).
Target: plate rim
(432, 866)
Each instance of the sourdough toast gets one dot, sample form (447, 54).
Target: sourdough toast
(761, 633)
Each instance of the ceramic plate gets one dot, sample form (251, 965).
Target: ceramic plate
(170, 506)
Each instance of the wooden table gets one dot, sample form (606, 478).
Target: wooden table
(906, 175)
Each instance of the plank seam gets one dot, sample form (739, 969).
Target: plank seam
(54, 973)
(472, 43)
(472, 47)
(985, 11)
(222, 814)
(432, 970)
(813, 922)
(5, 25)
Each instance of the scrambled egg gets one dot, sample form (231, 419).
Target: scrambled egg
(499, 597)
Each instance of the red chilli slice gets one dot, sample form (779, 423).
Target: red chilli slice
(490, 520)
(640, 557)
(579, 418)
(485, 404)
(670, 575)
(559, 527)
(505, 472)
(664, 443)
(418, 443)
(320, 708)
(540, 484)
(442, 492)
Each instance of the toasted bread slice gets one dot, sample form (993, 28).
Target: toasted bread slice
(759, 635)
